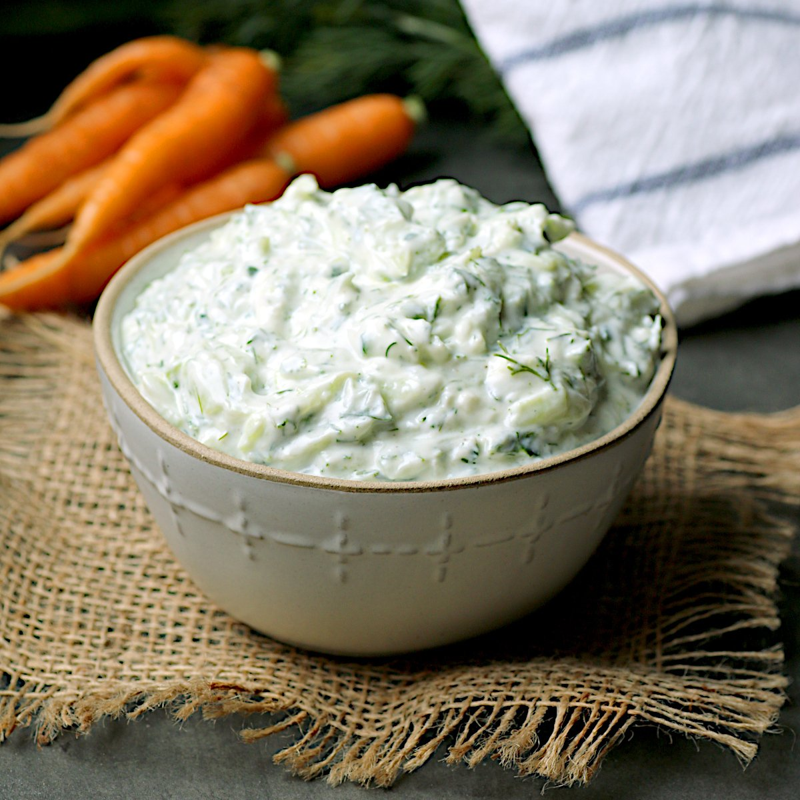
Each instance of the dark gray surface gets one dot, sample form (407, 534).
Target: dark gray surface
(749, 360)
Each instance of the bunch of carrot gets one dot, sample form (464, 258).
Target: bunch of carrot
(158, 134)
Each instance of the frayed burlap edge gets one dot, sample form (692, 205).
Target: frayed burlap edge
(553, 717)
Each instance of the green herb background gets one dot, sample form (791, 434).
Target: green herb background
(330, 50)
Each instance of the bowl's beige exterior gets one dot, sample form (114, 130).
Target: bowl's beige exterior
(369, 568)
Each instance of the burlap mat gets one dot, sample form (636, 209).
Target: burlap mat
(670, 624)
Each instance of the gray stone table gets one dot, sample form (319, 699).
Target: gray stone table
(748, 360)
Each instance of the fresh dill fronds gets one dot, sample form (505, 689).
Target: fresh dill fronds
(516, 367)
(337, 49)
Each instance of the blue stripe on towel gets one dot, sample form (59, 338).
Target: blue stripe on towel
(584, 37)
(690, 173)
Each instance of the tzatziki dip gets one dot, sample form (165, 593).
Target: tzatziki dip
(379, 334)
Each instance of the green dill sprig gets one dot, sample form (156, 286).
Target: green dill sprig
(337, 49)
(516, 367)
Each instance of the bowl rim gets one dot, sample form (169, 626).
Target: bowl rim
(111, 365)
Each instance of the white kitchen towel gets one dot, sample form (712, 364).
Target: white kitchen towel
(669, 130)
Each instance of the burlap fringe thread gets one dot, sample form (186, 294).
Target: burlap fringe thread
(668, 625)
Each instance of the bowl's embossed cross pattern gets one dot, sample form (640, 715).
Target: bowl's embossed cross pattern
(340, 545)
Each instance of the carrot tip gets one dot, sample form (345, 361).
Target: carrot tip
(415, 108)
(285, 162)
(21, 130)
(8, 261)
(271, 60)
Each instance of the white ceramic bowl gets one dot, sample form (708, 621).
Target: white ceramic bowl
(368, 568)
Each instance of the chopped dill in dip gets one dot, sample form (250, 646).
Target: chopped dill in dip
(379, 334)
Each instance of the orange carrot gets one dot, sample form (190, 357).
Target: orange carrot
(60, 206)
(158, 58)
(85, 139)
(56, 278)
(255, 181)
(272, 115)
(56, 208)
(348, 140)
(216, 112)
(35, 284)
(68, 276)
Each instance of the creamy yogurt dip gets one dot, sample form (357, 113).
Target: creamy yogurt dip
(379, 334)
